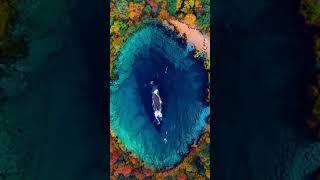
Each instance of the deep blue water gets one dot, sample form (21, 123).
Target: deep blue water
(145, 58)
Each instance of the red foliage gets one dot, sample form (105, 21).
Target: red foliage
(134, 160)
(135, 10)
(182, 177)
(147, 172)
(199, 10)
(126, 171)
(153, 5)
(138, 174)
(114, 156)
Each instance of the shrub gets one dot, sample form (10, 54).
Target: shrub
(171, 5)
(310, 9)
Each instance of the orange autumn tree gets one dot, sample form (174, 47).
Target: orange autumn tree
(135, 10)
(163, 14)
(190, 19)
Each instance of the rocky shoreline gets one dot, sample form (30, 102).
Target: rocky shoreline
(196, 38)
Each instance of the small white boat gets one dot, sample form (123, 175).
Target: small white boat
(156, 104)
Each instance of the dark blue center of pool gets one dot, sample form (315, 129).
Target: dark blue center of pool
(154, 57)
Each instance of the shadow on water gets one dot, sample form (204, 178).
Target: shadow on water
(262, 71)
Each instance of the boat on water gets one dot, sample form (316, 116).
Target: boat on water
(156, 105)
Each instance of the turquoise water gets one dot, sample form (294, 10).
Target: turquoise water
(156, 54)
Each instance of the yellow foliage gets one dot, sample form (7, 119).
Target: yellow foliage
(206, 64)
(190, 3)
(180, 16)
(163, 14)
(190, 19)
(196, 54)
(188, 6)
(189, 168)
(198, 3)
(185, 9)
(179, 3)
(114, 29)
(116, 43)
(208, 140)
(207, 173)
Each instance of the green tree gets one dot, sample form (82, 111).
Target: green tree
(204, 21)
(147, 10)
(111, 21)
(310, 9)
(121, 26)
(123, 7)
(171, 5)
